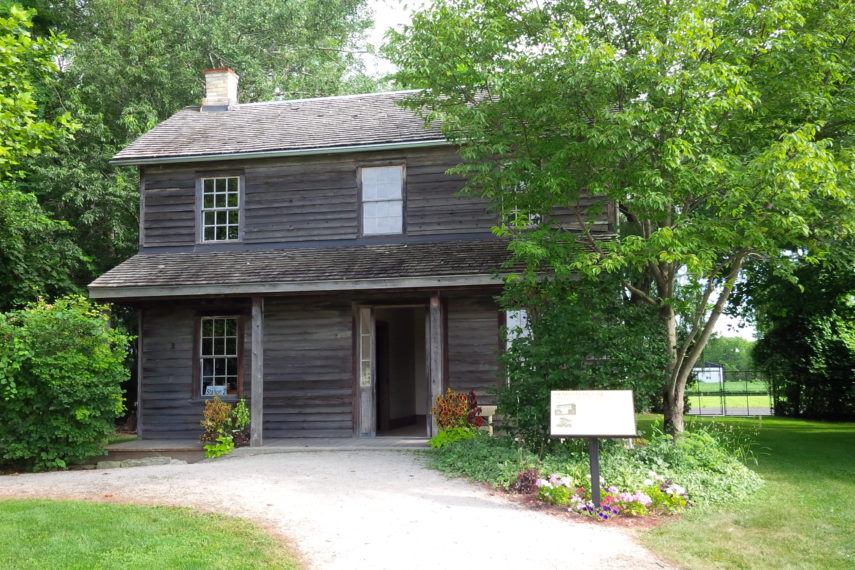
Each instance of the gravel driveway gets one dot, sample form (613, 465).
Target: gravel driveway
(358, 509)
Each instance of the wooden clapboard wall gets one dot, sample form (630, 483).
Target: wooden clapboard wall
(171, 407)
(308, 372)
(473, 346)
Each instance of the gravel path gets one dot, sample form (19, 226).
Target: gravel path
(359, 509)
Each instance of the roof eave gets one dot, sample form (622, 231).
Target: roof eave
(113, 293)
(278, 153)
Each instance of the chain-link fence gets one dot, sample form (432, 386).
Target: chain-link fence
(738, 393)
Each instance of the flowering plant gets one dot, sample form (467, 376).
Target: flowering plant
(555, 490)
(658, 495)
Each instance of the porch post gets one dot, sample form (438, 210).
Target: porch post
(257, 373)
(436, 358)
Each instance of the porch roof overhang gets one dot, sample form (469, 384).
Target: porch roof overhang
(461, 263)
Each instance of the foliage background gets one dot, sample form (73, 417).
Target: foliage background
(579, 335)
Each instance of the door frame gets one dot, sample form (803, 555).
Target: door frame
(365, 361)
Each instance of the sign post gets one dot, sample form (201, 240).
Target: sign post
(592, 414)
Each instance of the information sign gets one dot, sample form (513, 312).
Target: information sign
(592, 413)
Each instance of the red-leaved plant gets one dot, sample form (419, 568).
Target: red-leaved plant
(456, 409)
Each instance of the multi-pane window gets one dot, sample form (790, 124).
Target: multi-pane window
(219, 356)
(382, 200)
(221, 208)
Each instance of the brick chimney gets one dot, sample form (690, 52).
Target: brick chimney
(220, 90)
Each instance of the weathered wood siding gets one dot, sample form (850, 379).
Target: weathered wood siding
(312, 198)
(169, 207)
(433, 206)
(170, 407)
(473, 345)
(308, 371)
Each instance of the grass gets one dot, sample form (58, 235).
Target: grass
(730, 401)
(70, 534)
(121, 438)
(803, 517)
(735, 386)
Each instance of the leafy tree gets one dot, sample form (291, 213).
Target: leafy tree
(578, 335)
(807, 327)
(36, 256)
(61, 366)
(132, 65)
(24, 61)
(721, 129)
(731, 352)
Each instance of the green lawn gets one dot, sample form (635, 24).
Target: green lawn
(753, 386)
(71, 534)
(730, 401)
(803, 518)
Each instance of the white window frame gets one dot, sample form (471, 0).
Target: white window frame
(219, 349)
(374, 201)
(222, 213)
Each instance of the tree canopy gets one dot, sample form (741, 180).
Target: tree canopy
(37, 255)
(722, 130)
(129, 66)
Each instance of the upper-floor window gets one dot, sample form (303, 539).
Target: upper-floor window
(382, 200)
(221, 208)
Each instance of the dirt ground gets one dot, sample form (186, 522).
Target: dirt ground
(359, 509)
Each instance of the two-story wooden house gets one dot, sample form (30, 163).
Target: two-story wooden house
(311, 256)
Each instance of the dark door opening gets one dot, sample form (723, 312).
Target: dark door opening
(401, 376)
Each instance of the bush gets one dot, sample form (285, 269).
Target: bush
(61, 368)
(225, 426)
(456, 409)
(450, 435)
(579, 336)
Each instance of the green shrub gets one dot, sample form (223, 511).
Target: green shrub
(450, 435)
(222, 420)
(225, 444)
(61, 367)
(241, 415)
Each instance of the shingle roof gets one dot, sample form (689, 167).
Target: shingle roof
(283, 126)
(305, 269)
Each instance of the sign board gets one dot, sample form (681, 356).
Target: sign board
(592, 413)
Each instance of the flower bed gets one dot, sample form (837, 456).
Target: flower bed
(656, 477)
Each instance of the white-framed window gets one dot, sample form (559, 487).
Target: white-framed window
(382, 200)
(220, 211)
(516, 323)
(219, 356)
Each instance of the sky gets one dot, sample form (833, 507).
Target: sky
(387, 14)
(396, 13)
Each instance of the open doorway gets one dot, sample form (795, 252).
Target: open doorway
(402, 391)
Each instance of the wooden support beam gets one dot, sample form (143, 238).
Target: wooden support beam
(139, 373)
(257, 373)
(436, 358)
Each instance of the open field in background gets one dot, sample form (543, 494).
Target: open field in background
(803, 517)
(733, 386)
(730, 401)
(42, 534)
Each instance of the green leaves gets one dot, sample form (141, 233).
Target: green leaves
(25, 61)
(61, 366)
